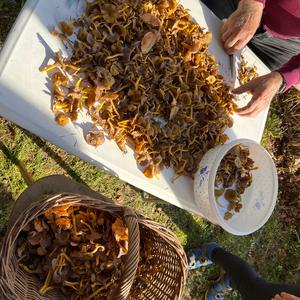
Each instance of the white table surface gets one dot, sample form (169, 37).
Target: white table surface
(25, 98)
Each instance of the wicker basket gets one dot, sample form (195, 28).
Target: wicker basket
(19, 285)
(166, 284)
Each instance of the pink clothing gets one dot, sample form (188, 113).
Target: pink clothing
(282, 19)
(291, 72)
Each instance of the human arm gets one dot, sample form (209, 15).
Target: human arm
(264, 88)
(241, 26)
(291, 72)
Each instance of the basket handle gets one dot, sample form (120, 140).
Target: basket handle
(132, 258)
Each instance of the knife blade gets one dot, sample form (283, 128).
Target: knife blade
(231, 63)
(231, 60)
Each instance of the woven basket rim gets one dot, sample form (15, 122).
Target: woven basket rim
(169, 237)
(164, 234)
(7, 250)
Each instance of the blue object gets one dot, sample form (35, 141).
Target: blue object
(201, 256)
(219, 289)
(210, 247)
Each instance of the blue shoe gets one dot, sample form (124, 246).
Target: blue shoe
(219, 289)
(201, 257)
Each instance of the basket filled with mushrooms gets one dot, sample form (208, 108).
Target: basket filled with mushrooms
(71, 246)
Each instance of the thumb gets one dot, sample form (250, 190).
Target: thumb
(245, 88)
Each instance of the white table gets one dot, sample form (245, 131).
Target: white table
(25, 99)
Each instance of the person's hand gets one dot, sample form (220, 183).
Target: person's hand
(285, 296)
(263, 89)
(241, 26)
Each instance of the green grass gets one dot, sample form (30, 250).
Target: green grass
(273, 127)
(274, 250)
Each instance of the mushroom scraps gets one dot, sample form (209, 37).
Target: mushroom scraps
(233, 177)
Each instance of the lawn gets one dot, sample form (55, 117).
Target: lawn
(274, 250)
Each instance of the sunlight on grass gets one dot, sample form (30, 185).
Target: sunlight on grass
(272, 129)
(42, 159)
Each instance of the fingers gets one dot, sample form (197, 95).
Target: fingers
(224, 29)
(229, 36)
(234, 38)
(225, 34)
(277, 297)
(231, 41)
(252, 108)
(225, 26)
(242, 41)
(248, 87)
(258, 103)
(254, 112)
(287, 296)
(263, 89)
(236, 47)
(235, 43)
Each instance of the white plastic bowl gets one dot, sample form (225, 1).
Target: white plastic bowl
(259, 199)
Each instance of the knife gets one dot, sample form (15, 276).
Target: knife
(231, 60)
(232, 66)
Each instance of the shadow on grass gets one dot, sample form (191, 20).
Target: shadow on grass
(17, 162)
(43, 145)
(197, 232)
(6, 204)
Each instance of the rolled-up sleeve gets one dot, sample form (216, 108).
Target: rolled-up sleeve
(262, 1)
(291, 72)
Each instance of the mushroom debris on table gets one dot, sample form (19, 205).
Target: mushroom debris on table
(142, 72)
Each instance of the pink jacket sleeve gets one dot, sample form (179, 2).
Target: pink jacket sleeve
(291, 72)
(262, 1)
